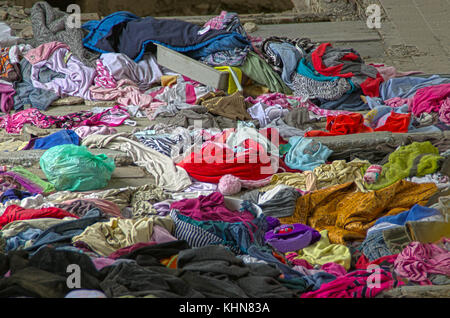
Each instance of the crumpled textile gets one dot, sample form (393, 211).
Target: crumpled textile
(144, 73)
(444, 111)
(430, 99)
(107, 237)
(167, 175)
(323, 252)
(84, 131)
(342, 125)
(415, 159)
(292, 102)
(232, 106)
(347, 214)
(125, 93)
(346, 63)
(356, 284)
(306, 153)
(418, 260)
(78, 77)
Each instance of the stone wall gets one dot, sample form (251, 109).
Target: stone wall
(171, 7)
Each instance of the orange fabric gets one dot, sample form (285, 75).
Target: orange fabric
(170, 262)
(347, 213)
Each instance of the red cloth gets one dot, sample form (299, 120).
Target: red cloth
(128, 249)
(342, 125)
(317, 56)
(370, 87)
(396, 123)
(363, 262)
(216, 160)
(15, 213)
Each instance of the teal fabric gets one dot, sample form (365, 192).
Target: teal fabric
(306, 154)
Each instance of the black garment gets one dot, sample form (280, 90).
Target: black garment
(130, 279)
(153, 254)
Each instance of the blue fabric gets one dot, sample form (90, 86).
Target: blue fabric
(27, 94)
(100, 29)
(62, 233)
(407, 86)
(14, 194)
(306, 154)
(416, 213)
(125, 34)
(290, 57)
(306, 69)
(226, 43)
(351, 101)
(61, 137)
(19, 240)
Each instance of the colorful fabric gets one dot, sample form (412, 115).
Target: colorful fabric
(347, 214)
(430, 99)
(13, 123)
(418, 260)
(104, 78)
(356, 284)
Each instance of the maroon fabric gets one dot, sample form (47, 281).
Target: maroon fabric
(210, 208)
(15, 213)
(128, 249)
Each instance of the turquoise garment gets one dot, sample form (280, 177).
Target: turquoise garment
(306, 69)
(306, 153)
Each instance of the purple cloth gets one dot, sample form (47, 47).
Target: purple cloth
(292, 237)
(6, 96)
(78, 77)
(418, 260)
(272, 222)
(429, 99)
(210, 208)
(24, 182)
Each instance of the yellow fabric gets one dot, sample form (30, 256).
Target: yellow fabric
(232, 87)
(107, 237)
(12, 145)
(168, 80)
(323, 252)
(325, 175)
(347, 213)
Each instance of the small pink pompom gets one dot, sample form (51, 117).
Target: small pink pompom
(229, 185)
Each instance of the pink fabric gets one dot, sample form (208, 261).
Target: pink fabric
(290, 256)
(356, 284)
(84, 131)
(106, 206)
(128, 249)
(111, 117)
(398, 102)
(161, 235)
(388, 72)
(126, 93)
(418, 260)
(444, 111)
(44, 51)
(429, 99)
(101, 262)
(104, 78)
(334, 269)
(211, 207)
(272, 99)
(6, 96)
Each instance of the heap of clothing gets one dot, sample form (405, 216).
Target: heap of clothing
(249, 196)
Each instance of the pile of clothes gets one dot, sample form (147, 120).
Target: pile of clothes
(247, 200)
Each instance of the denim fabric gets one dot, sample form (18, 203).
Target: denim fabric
(27, 94)
(61, 137)
(63, 232)
(18, 241)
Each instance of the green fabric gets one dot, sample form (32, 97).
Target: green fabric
(396, 239)
(285, 148)
(427, 232)
(417, 159)
(259, 71)
(45, 186)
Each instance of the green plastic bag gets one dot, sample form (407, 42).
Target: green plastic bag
(74, 168)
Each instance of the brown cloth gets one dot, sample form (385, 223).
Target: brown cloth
(232, 106)
(347, 213)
